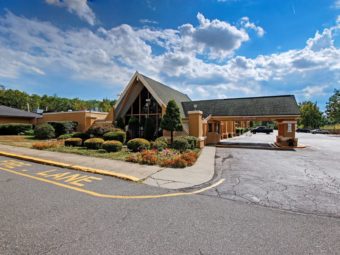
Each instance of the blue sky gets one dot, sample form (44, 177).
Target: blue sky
(205, 48)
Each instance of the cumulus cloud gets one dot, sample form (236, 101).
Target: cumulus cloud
(79, 7)
(183, 58)
(250, 25)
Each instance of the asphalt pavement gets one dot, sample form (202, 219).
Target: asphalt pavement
(49, 210)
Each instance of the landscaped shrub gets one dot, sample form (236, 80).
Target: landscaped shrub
(133, 126)
(176, 162)
(44, 131)
(162, 139)
(149, 129)
(98, 131)
(192, 140)
(112, 146)
(14, 128)
(120, 123)
(148, 157)
(138, 144)
(29, 132)
(94, 143)
(116, 135)
(83, 136)
(65, 136)
(63, 127)
(190, 157)
(73, 142)
(181, 144)
(44, 145)
(159, 145)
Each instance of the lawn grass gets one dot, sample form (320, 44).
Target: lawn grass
(19, 140)
(120, 155)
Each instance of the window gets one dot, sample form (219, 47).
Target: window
(210, 127)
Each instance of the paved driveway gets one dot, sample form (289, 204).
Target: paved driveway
(305, 180)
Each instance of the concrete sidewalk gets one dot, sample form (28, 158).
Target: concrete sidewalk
(170, 178)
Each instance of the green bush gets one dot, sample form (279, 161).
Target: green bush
(65, 136)
(29, 132)
(116, 135)
(44, 131)
(149, 128)
(112, 146)
(192, 141)
(120, 123)
(159, 145)
(94, 143)
(181, 144)
(98, 131)
(162, 139)
(73, 142)
(14, 128)
(83, 136)
(138, 144)
(63, 127)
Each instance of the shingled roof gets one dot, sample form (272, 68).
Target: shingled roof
(6, 111)
(166, 93)
(248, 106)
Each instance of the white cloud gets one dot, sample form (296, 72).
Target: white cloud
(110, 56)
(148, 21)
(310, 91)
(80, 7)
(337, 4)
(247, 24)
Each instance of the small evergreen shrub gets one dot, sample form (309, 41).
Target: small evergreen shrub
(112, 146)
(97, 131)
(138, 144)
(83, 136)
(14, 128)
(162, 139)
(159, 145)
(94, 143)
(29, 132)
(181, 144)
(149, 128)
(192, 140)
(77, 142)
(115, 135)
(44, 131)
(120, 123)
(65, 136)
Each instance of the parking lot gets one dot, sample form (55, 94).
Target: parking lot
(304, 180)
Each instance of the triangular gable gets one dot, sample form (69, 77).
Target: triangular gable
(124, 102)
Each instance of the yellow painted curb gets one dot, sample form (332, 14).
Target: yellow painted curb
(74, 167)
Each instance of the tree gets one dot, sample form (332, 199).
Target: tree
(120, 123)
(310, 115)
(172, 119)
(333, 107)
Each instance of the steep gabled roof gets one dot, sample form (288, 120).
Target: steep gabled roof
(248, 106)
(6, 111)
(166, 93)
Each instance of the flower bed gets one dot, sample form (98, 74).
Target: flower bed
(165, 158)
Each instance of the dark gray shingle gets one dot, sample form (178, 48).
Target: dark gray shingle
(249, 106)
(6, 111)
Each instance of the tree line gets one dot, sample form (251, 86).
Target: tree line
(24, 101)
(312, 117)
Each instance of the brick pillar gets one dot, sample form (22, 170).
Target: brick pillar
(196, 126)
(286, 133)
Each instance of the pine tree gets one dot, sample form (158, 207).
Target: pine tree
(172, 119)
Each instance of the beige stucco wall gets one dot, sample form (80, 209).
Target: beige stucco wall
(84, 119)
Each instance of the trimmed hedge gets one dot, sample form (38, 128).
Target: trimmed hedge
(65, 136)
(97, 131)
(181, 144)
(73, 142)
(115, 135)
(63, 127)
(83, 136)
(192, 140)
(94, 143)
(44, 131)
(112, 146)
(14, 128)
(138, 144)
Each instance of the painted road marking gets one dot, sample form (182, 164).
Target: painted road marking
(96, 194)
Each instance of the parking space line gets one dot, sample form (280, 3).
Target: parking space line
(96, 194)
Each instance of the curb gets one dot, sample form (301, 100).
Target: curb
(74, 167)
